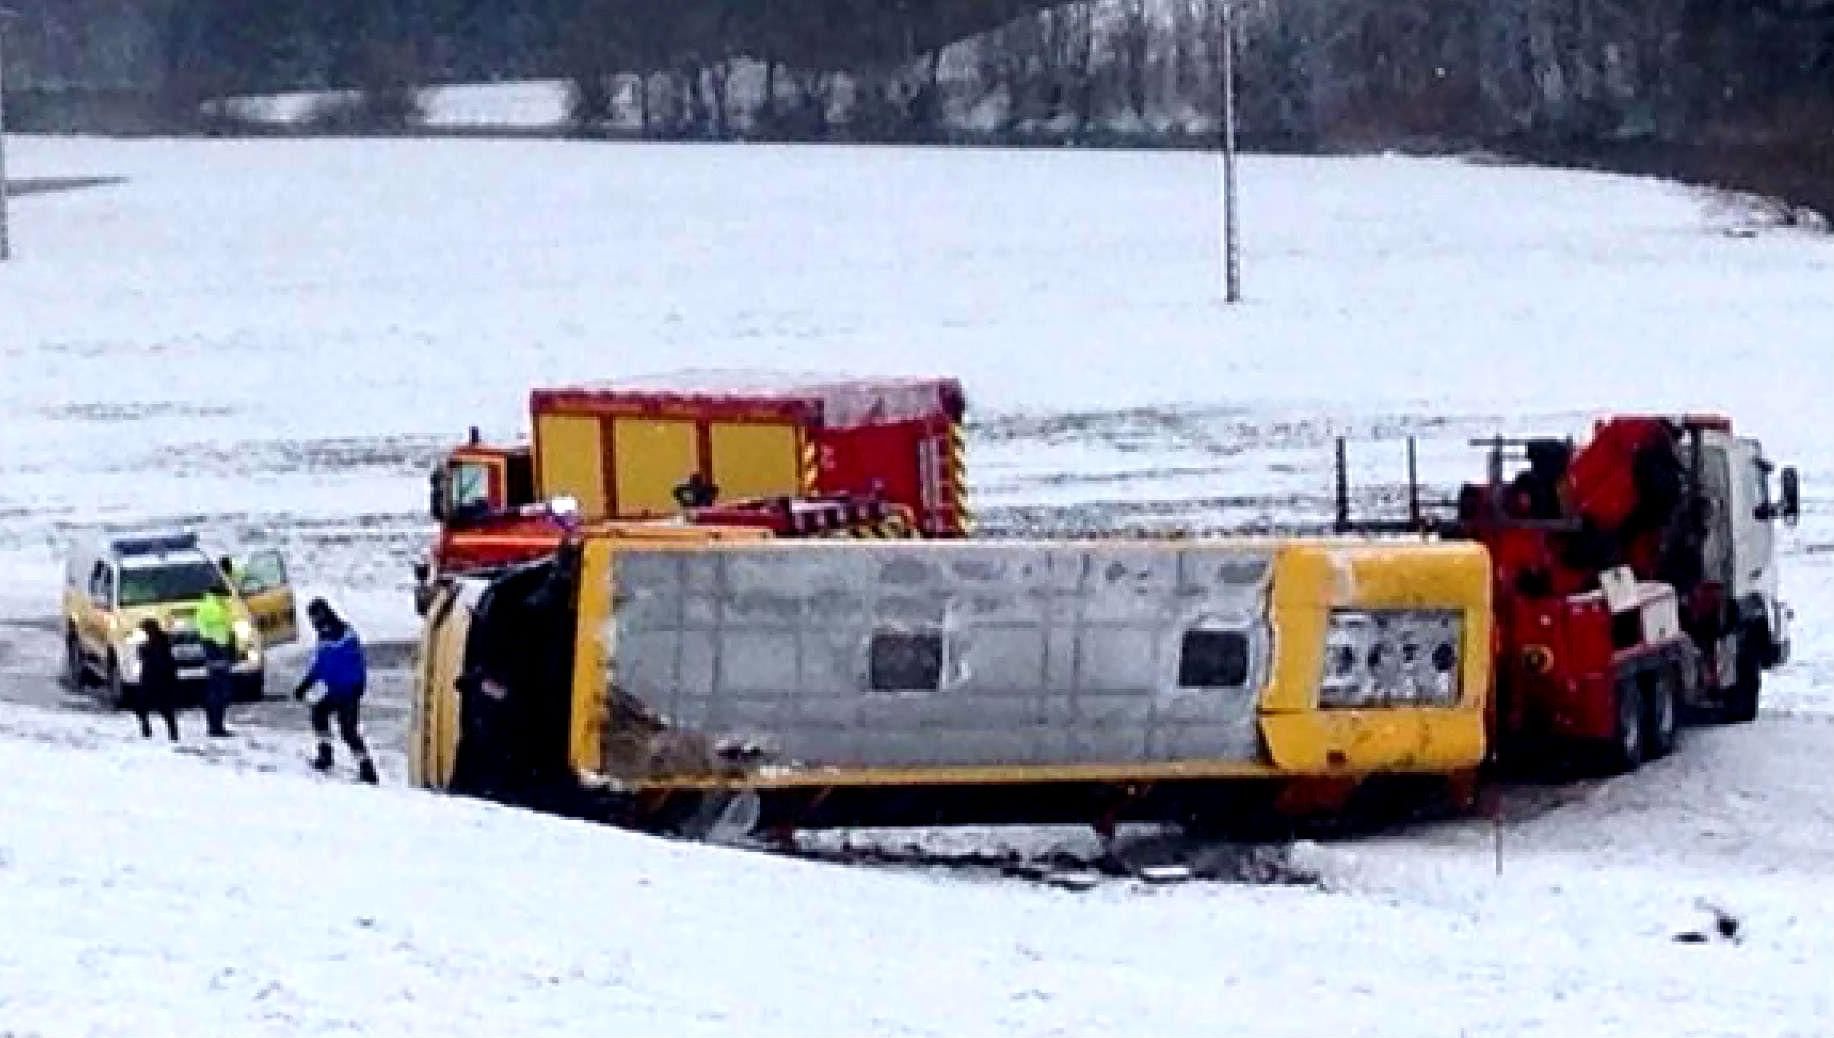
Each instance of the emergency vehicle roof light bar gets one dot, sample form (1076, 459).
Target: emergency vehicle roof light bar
(154, 544)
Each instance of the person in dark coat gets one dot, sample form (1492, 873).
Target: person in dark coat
(338, 663)
(157, 692)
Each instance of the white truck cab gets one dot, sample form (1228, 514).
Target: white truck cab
(1740, 555)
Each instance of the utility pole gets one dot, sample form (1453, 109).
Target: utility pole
(1232, 259)
(6, 247)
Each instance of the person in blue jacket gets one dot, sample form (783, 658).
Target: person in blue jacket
(337, 663)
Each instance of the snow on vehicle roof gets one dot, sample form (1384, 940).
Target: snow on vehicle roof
(845, 400)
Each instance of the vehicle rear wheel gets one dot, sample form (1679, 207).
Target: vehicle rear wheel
(251, 688)
(1625, 751)
(1661, 718)
(1742, 697)
(76, 674)
(116, 685)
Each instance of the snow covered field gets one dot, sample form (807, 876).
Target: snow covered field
(272, 339)
(275, 337)
(149, 893)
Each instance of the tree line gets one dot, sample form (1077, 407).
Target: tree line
(1575, 75)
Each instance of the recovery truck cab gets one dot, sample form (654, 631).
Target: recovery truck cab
(113, 584)
(703, 448)
(1739, 553)
(1636, 582)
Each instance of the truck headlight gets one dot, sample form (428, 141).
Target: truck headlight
(245, 637)
(1392, 658)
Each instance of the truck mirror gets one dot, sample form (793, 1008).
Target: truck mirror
(436, 486)
(1791, 509)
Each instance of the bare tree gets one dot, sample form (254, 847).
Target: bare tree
(1006, 62)
(1069, 64)
(589, 55)
(1130, 41)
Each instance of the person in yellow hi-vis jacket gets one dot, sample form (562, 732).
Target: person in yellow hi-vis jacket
(216, 629)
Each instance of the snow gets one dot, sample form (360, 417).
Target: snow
(273, 339)
(525, 104)
(289, 108)
(237, 896)
(535, 104)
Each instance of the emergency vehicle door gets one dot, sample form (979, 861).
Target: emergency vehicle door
(262, 583)
(94, 620)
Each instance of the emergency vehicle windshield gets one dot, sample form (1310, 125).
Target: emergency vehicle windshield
(169, 582)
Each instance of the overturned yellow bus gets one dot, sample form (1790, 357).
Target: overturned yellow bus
(640, 678)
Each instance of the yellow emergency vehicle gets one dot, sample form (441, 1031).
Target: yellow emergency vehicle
(113, 584)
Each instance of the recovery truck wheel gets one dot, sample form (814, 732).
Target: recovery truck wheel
(1661, 716)
(1742, 697)
(1624, 752)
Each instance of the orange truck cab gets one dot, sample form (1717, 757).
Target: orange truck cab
(690, 448)
(478, 480)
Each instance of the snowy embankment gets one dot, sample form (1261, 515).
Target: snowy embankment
(279, 356)
(146, 891)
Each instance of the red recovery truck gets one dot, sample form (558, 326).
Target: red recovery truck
(801, 459)
(1635, 582)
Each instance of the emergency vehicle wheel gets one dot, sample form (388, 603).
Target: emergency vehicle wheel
(1661, 718)
(250, 688)
(76, 675)
(117, 688)
(1625, 751)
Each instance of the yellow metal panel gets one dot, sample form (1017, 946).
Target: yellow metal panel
(434, 724)
(1306, 583)
(1311, 579)
(571, 451)
(1361, 742)
(752, 459)
(586, 729)
(653, 458)
(420, 722)
(598, 560)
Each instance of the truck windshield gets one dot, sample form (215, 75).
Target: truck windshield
(470, 487)
(168, 582)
